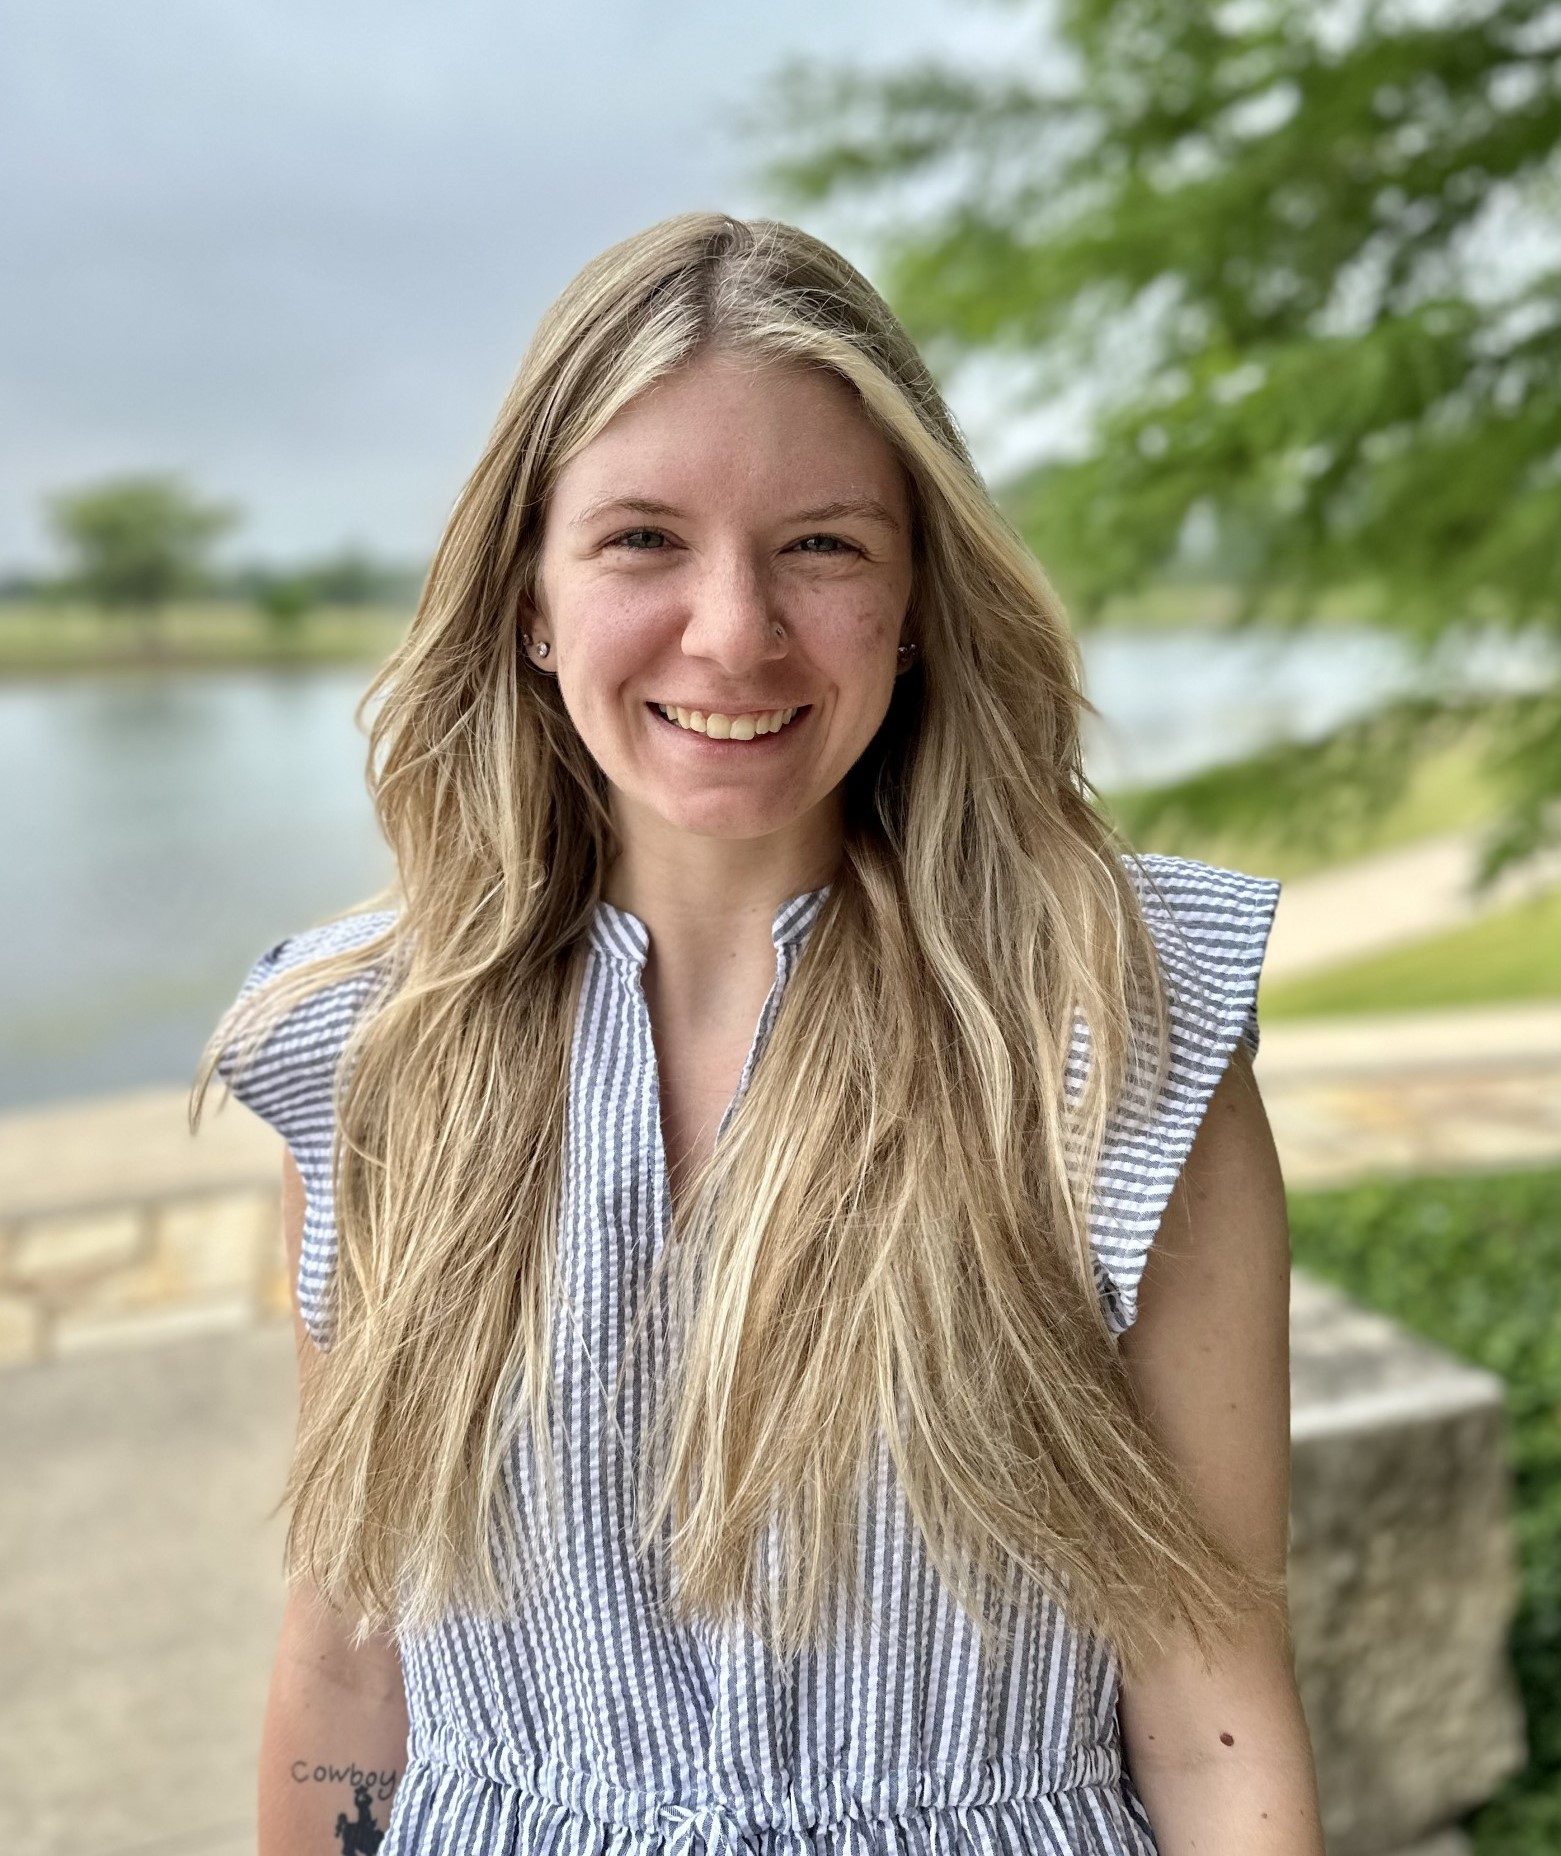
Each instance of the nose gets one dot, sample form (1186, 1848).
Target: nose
(734, 617)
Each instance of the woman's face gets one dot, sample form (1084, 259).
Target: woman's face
(737, 541)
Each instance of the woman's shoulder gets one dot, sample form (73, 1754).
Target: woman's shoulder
(287, 1075)
(1210, 924)
(290, 1075)
(316, 942)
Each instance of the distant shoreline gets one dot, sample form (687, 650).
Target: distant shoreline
(39, 638)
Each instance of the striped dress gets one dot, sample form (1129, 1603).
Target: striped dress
(588, 1723)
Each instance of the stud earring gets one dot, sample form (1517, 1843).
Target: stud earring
(542, 648)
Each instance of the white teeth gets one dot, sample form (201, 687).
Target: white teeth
(726, 727)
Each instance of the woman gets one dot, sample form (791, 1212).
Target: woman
(736, 1411)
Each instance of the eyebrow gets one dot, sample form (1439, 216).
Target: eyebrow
(862, 508)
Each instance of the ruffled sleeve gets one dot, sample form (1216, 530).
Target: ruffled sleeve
(1210, 927)
(289, 1081)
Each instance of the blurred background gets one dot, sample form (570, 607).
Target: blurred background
(1252, 317)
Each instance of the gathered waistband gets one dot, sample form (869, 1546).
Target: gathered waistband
(738, 1824)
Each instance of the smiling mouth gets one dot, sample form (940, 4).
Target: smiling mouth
(751, 726)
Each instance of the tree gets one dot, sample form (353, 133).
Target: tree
(285, 601)
(348, 576)
(1258, 234)
(351, 577)
(136, 542)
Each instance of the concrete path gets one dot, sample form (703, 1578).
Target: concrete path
(1388, 900)
(1428, 1092)
(141, 1596)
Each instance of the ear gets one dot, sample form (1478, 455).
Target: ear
(531, 637)
(529, 619)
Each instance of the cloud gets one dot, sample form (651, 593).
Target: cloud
(296, 251)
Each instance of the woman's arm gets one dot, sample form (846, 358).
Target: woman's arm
(333, 1743)
(334, 1739)
(1222, 1759)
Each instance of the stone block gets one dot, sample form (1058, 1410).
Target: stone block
(276, 1290)
(203, 1249)
(54, 1252)
(1403, 1576)
(216, 1244)
(21, 1331)
(87, 1330)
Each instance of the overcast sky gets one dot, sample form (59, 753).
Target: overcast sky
(294, 250)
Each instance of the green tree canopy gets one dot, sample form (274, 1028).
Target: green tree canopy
(133, 543)
(1264, 238)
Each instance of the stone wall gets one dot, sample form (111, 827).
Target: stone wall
(143, 1272)
(1403, 1575)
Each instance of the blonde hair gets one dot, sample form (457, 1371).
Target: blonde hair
(889, 1246)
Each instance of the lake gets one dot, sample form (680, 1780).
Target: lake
(164, 829)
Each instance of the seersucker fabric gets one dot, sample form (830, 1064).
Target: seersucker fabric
(587, 1722)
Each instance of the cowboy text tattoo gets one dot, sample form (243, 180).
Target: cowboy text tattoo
(362, 1833)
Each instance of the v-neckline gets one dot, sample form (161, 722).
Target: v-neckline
(664, 1180)
(625, 939)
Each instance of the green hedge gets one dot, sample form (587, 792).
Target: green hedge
(1473, 1263)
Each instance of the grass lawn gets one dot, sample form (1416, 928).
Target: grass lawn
(1473, 1263)
(38, 639)
(1211, 604)
(1512, 954)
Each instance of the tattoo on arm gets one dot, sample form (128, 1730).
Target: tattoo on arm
(362, 1833)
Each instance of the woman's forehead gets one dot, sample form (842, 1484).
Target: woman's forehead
(682, 445)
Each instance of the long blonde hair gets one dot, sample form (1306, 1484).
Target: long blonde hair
(889, 1245)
